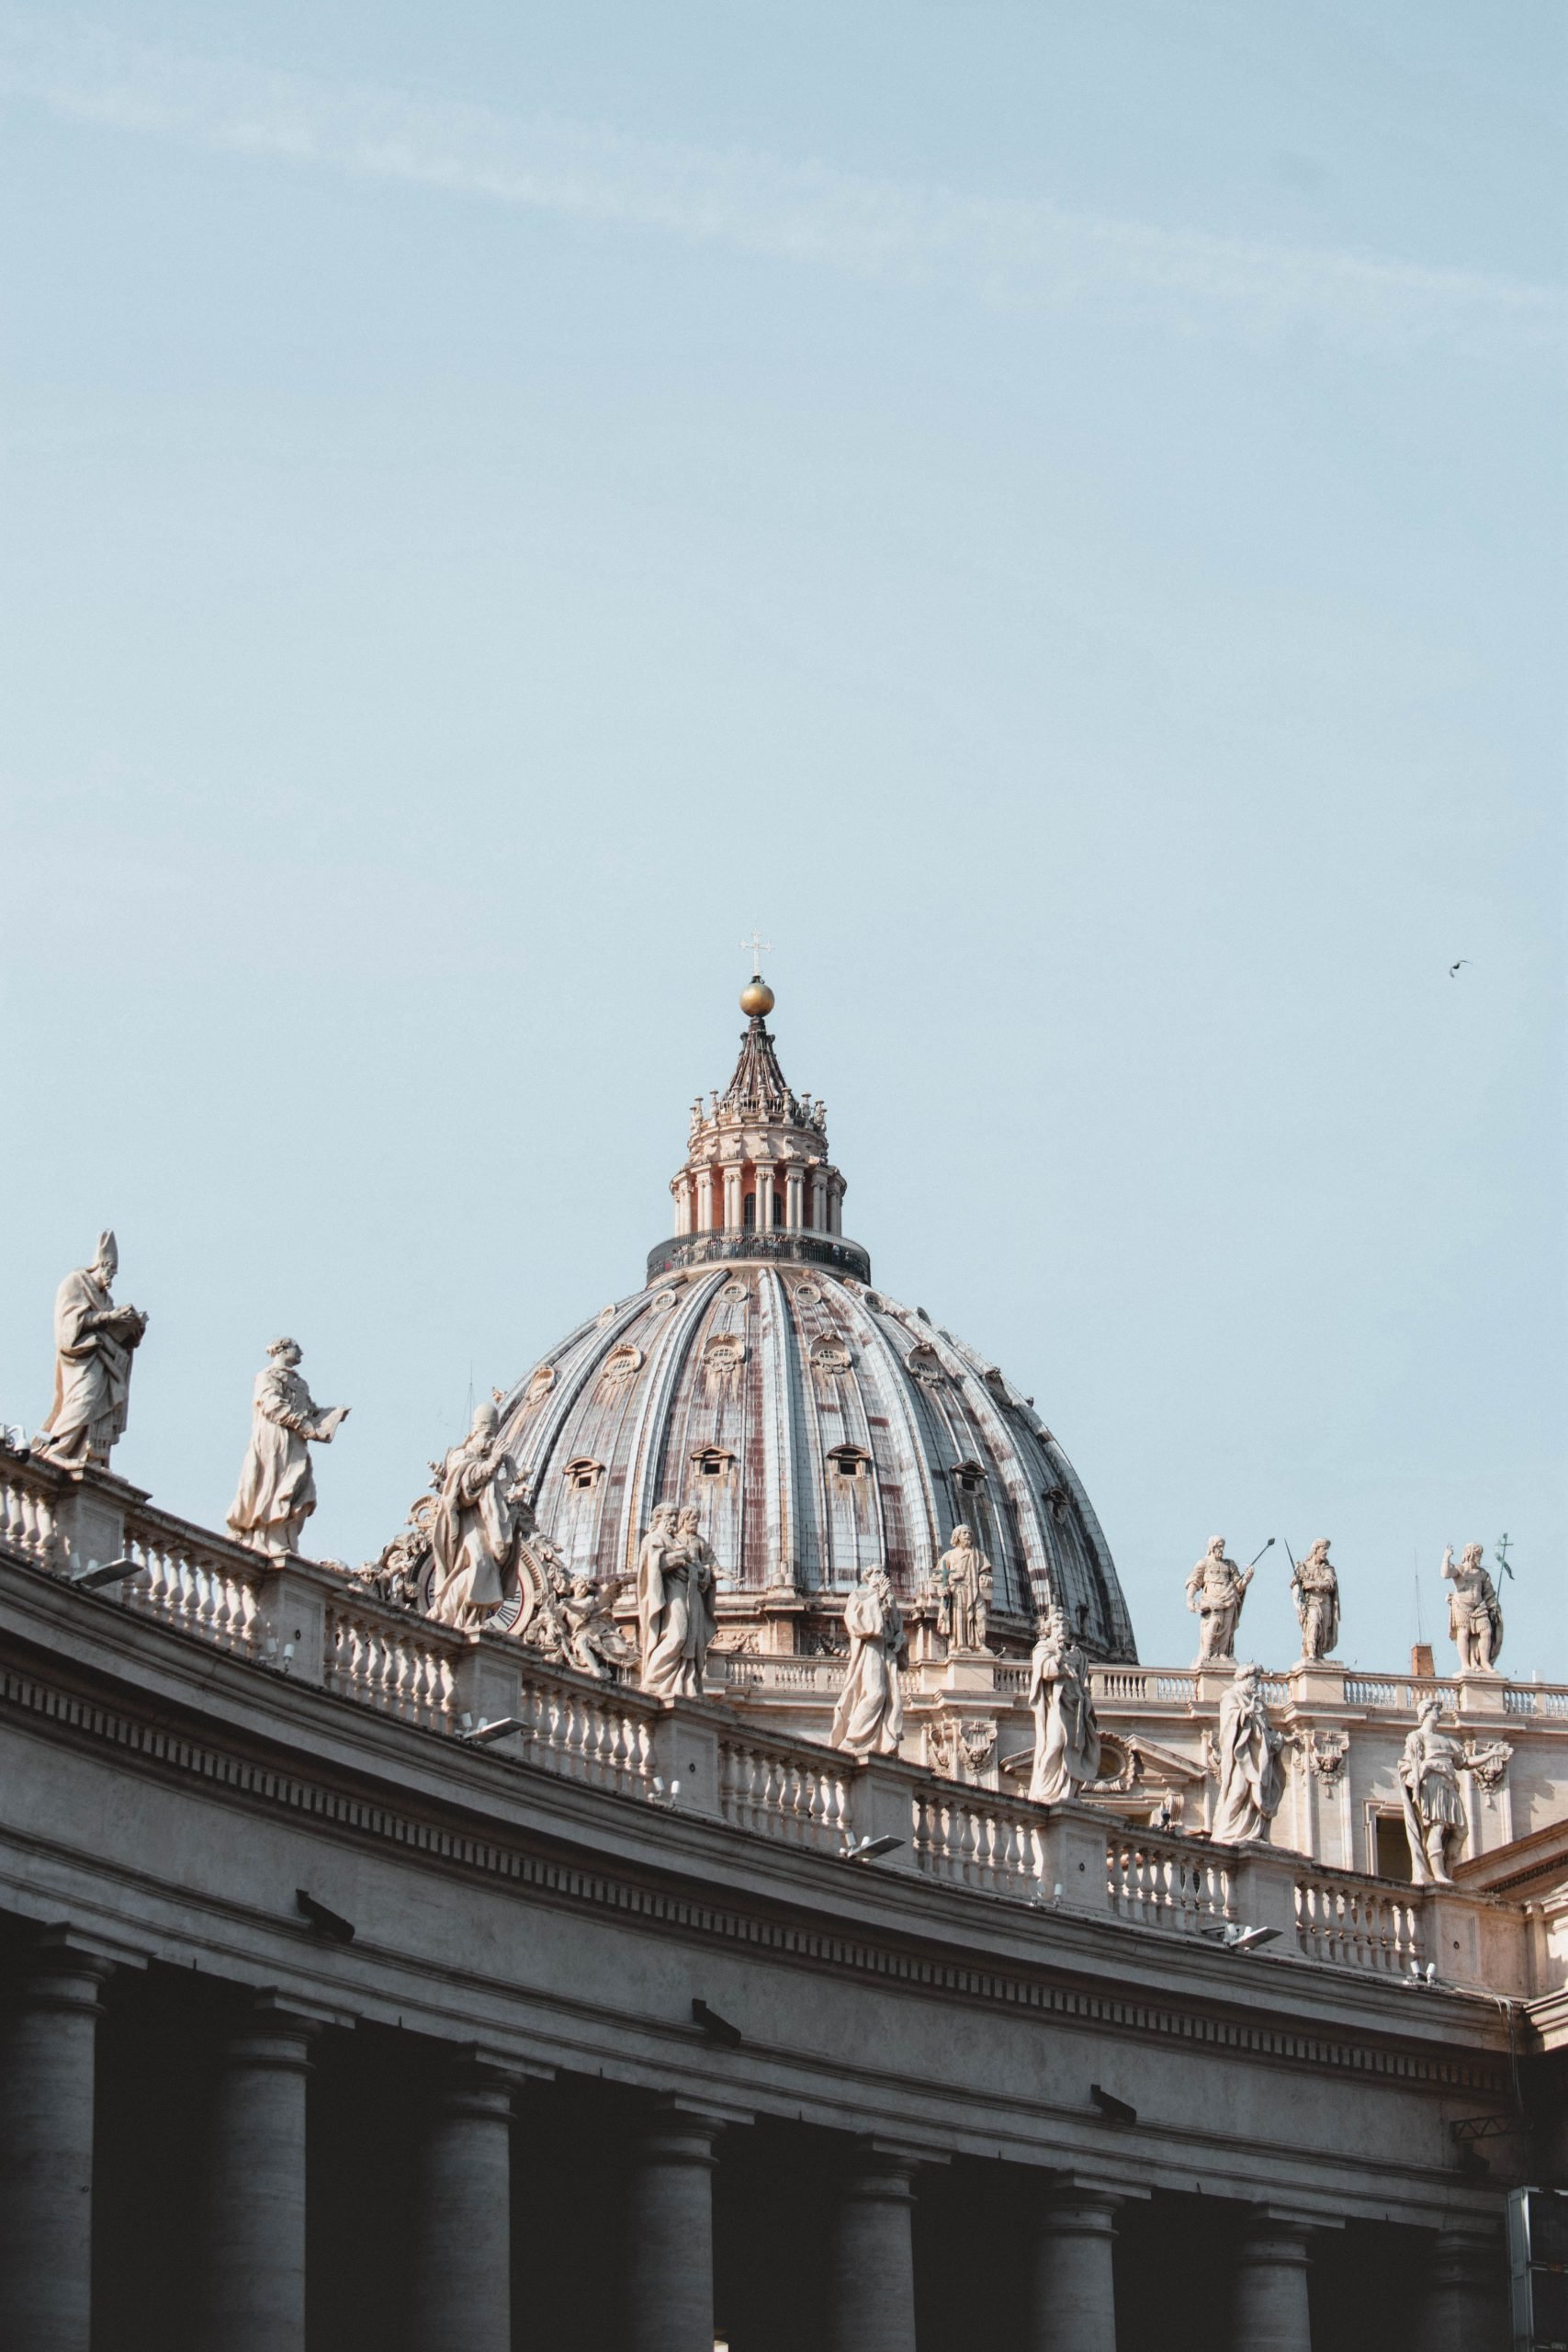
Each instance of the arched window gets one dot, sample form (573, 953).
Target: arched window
(969, 1477)
(582, 1471)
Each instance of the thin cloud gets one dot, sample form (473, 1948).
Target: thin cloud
(1011, 251)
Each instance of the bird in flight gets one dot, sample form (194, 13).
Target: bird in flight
(1453, 968)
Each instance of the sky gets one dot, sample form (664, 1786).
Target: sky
(1054, 513)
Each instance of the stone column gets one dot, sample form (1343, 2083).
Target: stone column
(251, 2292)
(1466, 2308)
(732, 1211)
(795, 1193)
(819, 1215)
(681, 1193)
(1072, 2305)
(764, 1195)
(1269, 2306)
(46, 2150)
(668, 2232)
(870, 2283)
(462, 2251)
(705, 1200)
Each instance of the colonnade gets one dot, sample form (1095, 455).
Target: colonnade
(717, 1198)
(251, 2285)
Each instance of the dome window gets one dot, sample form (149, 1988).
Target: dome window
(726, 1351)
(621, 1366)
(924, 1364)
(540, 1385)
(1055, 1500)
(850, 1460)
(713, 1461)
(582, 1471)
(969, 1477)
(830, 1356)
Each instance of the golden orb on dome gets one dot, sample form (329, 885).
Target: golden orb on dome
(757, 997)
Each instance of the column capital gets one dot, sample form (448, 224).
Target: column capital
(676, 2131)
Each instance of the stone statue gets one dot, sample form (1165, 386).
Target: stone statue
(1476, 1614)
(1429, 1787)
(1314, 1588)
(1252, 1779)
(674, 1603)
(480, 1517)
(594, 1643)
(278, 1486)
(869, 1716)
(94, 1343)
(966, 1585)
(1066, 1737)
(1215, 1589)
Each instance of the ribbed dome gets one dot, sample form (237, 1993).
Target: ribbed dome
(821, 1427)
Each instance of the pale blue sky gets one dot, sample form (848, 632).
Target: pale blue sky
(1054, 512)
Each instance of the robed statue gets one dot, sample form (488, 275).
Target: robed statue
(676, 1619)
(1252, 1779)
(93, 1343)
(1067, 1735)
(869, 1717)
(1314, 1588)
(965, 1576)
(1476, 1614)
(277, 1484)
(480, 1517)
(1215, 1591)
(1433, 1808)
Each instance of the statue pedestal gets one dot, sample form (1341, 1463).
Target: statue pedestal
(1316, 1683)
(90, 1516)
(1482, 1691)
(1214, 1679)
(972, 1671)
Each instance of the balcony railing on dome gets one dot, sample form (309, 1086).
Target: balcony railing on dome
(774, 1245)
(790, 1790)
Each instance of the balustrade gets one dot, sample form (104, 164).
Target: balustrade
(199, 1587)
(400, 1663)
(28, 1523)
(800, 1795)
(1171, 1882)
(967, 1838)
(1354, 1924)
(589, 1732)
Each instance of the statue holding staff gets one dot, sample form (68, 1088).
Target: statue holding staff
(1215, 1591)
(1476, 1614)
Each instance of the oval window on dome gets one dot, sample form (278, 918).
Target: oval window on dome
(725, 1351)
(924, 1364)
(830, 1357)
(621, 1366)
(807, 1293)
(734, 1290)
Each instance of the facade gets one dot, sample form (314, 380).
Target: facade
(595, 1927)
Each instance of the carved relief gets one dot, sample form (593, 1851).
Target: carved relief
(1490, 1763)
(830, 1357)
(606, 1315)
(734, 1290)
(539, 1386)
(979, 1740)
(723, 1353)
(620, 1367)
(1326, 1751)
(924, 1364)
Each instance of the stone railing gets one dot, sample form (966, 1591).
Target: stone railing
(781, 1789)
(1536, 1699)
(309, 1623)
(1137, 1686)
(805, 1677)
(28, 1526)
(1161, 1882)
(1355, 1923)
(197, 1583)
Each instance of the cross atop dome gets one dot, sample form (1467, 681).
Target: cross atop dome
(757, 1182)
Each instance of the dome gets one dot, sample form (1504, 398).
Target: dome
(819, 1425)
